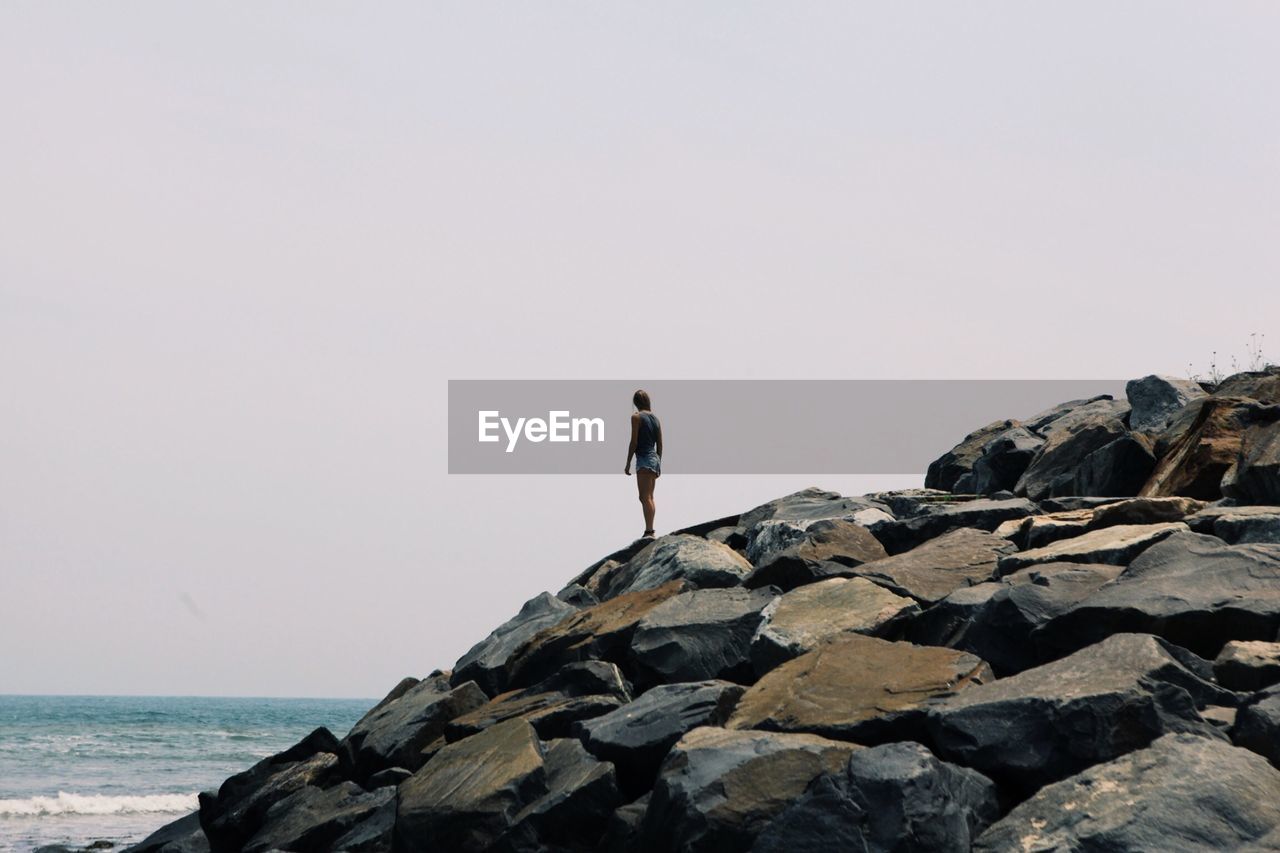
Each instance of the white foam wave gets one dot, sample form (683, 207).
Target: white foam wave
(98, 804)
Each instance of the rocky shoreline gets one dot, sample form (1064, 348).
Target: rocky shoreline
(1066, 641)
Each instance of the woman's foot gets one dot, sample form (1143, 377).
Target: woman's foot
(648, 534)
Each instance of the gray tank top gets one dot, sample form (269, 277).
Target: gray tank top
(647, 439)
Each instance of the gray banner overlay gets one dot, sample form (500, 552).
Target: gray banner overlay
(819, 426)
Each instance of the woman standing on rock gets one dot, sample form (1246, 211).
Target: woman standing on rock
(646, 447)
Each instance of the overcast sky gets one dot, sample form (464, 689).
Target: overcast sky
(243, 247)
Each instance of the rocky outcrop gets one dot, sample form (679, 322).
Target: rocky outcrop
(948, 668)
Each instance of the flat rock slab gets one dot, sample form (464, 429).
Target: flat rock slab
(854, 687)
(718, 788)
(700, 634)
(699, 562)
(1248, 665)
(600, 632)
(486, 662)
(467, 795)
(1180, 793)
(905, 534)
(932, 571)
(1054, 720)
(801, 620)
(1241, 529)
(893, 797)
(1206, 519)
(313, 818)
(1194, 590)
(638, 735)
(814, 546)
(1116, 546)
(1145, 511)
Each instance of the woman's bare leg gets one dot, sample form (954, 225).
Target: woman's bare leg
(645, 480)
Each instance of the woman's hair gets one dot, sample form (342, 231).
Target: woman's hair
(641, 400)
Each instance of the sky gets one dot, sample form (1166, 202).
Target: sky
(243, 248)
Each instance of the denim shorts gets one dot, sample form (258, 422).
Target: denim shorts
(649, 461)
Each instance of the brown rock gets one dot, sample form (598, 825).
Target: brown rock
(932, 571)
(1114, 546)
(1195, 463)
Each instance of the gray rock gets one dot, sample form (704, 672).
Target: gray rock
(1240, 529)
(1257, 725)
(1115, 546)
(486, 662)
(1119, 468)
(1180, 793)
(1260, 385)
(809, 554)
(1191, 589)
(893, 797)
(1053, 470)
(1046, 723)
(637, 736)
(313, 818)
(1206, 520)
(622, 835)
(374, 834)
(905, 534)
(718, 788)
(1153, 400)
(1254, 478)
(944, 472)
(1004, 459)
(700, 634)
(183, 835)
(1068, 417)
(697, 561)
(932, 571)
(394, 732)
(810, 504)
(1248, 665)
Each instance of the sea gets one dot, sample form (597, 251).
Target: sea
(79, 769)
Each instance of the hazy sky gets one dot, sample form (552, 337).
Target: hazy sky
(243, 247)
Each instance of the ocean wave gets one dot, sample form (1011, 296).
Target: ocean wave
(98, 804)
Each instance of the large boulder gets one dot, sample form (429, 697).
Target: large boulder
(717, 789)
(572, 815)
(1241, 528)
(1254, 478)
(854, 687)
(893, 797)
(1248, 665)
(987, 514)
(1003, 461)
(945, 471)
(1046, 723)
(638, 735)
(801, 620)
(1154, 400)
(808, 555)
(700, 634)
(576, 692)
(995, 621)
(1195, 456)
(699, 562)
(1180, 793)
(1115, 546)
(1070, 417)
(1257, 724)
(1053, 470)
(231, 816)
(811, 504)
(183, 835)
(932, 571)
(1118, 468)
(469, 793)
(1260, 385)
(486, 662)
(1191, 589)
(393, 733)
(600, 632)
(313, 818)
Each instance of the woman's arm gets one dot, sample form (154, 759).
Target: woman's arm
(659, 439)
(635, 437)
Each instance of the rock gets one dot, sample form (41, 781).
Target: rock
(1190, 589)
(576, 692)
(1241, 529)
(581, 794)
(718, 788)
(854, 687)
(908, 503)
(1144, 511)
(1254, 477)
(1046, 723)
(1222, 716)
(700, 634)
(602, 632)
(622, 835)
(905, 534)
(892, 797)
(593, 575)
(578, 596)
(394, 732)
(1248, 665)
(932, 571)
(1039, 531)
(1053, 470)
(486, 662)
(467, 795)
(232, 815)
(1114, 546)
(183, 835)
(1205, 520)
(819, 543)
(312, 818)
(697, 561)
(998, 626)
(810, 504)
(1257, 725)
(706, 528)
(1004, 459)
(1260, 385)
(802, 619)
(1180, 793)
(958, 462)
(1195, 463)
(374, 834)
(390, 776)
(1153, 400)
(1118, 468)
(637, 736)
(1069, 503)
(1071, 416)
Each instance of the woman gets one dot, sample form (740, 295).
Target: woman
(646, 447)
